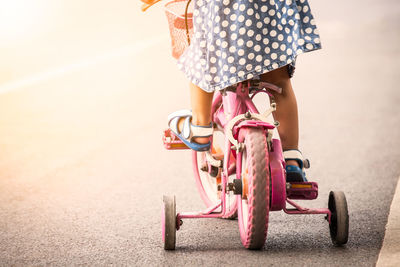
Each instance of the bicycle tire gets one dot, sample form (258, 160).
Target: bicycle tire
(339, 226)
(253, 203)
(168, 222)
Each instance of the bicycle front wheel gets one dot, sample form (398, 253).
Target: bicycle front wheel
(253, 202)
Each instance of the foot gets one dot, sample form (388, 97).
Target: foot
(292, 162)
(200, 140)
(294, 166)
(196, 137)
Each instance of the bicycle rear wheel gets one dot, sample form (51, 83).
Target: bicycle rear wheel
(253, 203)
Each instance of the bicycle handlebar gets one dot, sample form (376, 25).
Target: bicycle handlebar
(148, 3)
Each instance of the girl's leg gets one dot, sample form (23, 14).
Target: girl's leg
(286, 112)
(201, 103)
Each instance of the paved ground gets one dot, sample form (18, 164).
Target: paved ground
(83, 170)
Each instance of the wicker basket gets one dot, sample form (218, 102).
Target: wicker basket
(175, 11)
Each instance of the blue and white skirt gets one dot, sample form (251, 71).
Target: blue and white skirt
(235, 40)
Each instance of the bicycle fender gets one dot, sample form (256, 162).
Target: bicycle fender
(253, 124)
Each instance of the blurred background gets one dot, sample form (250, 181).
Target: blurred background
(73, 69)
(85, 89)
(40, 35)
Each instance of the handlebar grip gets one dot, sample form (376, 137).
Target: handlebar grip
(148, 3)
(144, 7)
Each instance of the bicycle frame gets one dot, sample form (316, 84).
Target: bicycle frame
(230, 106)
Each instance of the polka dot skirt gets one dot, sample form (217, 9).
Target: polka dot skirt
(235, 40)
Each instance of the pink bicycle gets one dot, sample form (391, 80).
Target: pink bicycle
(243, 174)
(254, 158)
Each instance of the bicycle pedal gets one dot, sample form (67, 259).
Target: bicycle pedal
(172, 142)
(302, 190)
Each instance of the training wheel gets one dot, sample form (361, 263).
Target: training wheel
(169, 222)
(339, 226)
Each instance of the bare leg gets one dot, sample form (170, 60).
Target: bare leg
(286, 112)
(201, 103)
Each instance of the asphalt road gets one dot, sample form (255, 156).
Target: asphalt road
(83, 169)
